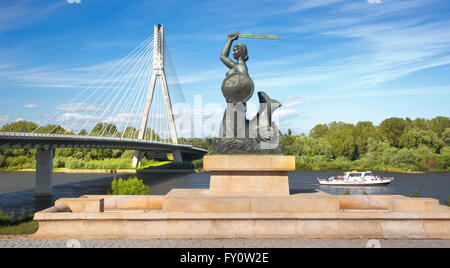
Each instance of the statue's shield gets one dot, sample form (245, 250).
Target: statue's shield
(237, 87)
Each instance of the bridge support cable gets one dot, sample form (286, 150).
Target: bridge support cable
(107, 93)
(134, 106)
(123, 107)
(81, 100)
(86, 114)
(126, 89)
(110, 103)
(185, 123)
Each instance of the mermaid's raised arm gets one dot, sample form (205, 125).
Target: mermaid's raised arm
(225, 56)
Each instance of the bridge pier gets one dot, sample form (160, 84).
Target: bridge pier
(137, 159)
(44, 172)
(177, 157)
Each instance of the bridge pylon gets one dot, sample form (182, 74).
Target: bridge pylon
(158, 72)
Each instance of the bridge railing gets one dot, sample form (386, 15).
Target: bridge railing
(81, 137)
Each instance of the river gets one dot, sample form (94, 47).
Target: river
(16, 194)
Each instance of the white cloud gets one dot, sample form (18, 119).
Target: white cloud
(75, 116)
(31, 106)
(294, 102)
(4, 118)
(310, 4)
(130, 119)
(80, 107)
(19, 14)
(74, 1)
(286, 113)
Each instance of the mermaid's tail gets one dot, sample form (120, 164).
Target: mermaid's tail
(266, 108)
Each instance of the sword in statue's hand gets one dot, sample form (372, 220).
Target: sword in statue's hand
(259, 36)
(237, 35)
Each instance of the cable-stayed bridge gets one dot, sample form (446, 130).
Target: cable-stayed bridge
(130, 107)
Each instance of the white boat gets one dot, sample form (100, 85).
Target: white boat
(355, 178)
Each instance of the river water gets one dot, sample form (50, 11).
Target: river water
(16, 194)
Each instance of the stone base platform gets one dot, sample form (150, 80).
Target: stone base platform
(274, 217)
(248, 198)
(181, 200)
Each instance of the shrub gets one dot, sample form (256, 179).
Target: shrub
(2, 160)
(417, 194)
(131, 186)
(448, 201)
(59, 163)
(19, 162)
(198, 164)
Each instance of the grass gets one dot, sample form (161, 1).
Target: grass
(169, 165)
(152, 163)
(23, 225)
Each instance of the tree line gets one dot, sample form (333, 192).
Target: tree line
(395, 144)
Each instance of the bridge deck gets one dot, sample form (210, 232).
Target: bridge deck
(22, 140)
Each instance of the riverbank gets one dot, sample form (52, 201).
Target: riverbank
(395, 170)
(84, 171)
(135, 171)
(111, 171)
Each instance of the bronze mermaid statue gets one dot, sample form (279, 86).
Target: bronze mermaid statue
(238, 135)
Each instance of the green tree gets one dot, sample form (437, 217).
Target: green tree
(319, 131)
(363, 131)
(289, 132)
(20, 126)
(130, 133)
(341, 138)
(439, 124)
(421, 123)
(52, 129)
(150, 134)
(104, 129)
(444, 158)
(416, 137)
(392, 129)
(446, 136)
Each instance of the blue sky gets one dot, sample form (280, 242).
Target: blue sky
(339, 60)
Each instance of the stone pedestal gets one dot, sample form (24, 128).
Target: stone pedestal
(249, 175)
(245, 183)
